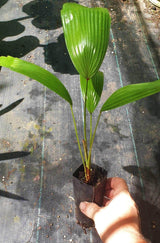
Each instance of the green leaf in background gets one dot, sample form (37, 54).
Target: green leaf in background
(36, 72)
(131, 93)
(86, 32)
(94, 91)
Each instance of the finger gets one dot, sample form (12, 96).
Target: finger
(114, 186)
(89, 209)
(116, 182)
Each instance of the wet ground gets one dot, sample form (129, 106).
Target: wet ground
(38, 150)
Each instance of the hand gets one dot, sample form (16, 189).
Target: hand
(118, 219)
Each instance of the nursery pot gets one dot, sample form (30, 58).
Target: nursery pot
(92, 192)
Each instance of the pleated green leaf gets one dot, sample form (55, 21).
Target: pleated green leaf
(94, 91)
(38, 73)
(86, 32)
(131, 93)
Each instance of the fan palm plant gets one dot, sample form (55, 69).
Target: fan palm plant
(86, 32)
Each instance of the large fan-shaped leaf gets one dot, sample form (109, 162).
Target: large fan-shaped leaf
(35, 72)
(131, 93)
(86, 32)
(94, 91)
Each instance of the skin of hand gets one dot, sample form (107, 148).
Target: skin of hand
(118, 219)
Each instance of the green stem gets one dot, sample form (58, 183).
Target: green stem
(90, 127)
(88, 164)
(79, 146)
(85, 101)
(85, 150)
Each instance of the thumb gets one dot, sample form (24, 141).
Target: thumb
(89, 209)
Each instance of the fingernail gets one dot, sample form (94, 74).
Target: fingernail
(82, 206)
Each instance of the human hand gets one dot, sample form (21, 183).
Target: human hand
(118, 219)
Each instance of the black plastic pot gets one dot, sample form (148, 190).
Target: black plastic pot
(88, 192)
